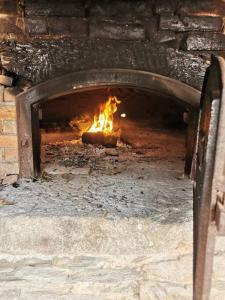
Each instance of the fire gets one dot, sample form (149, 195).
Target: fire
(103, 121)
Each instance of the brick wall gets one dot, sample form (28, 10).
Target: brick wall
(8, 130)
(41, 39)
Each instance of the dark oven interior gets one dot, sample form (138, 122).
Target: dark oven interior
(148, 123)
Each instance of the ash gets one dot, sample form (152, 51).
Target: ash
(83, 180)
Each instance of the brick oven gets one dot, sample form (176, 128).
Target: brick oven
(60, 61)
(42, 42)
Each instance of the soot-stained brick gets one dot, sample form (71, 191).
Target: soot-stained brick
(76, 27)
(165, 7)
(36, 25)
(187, 67)
(176, 23)
(73, 8)
(206, 41)
(117, 31)
(106, 9)
(207, 7)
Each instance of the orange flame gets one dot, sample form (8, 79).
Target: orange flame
(104, 120)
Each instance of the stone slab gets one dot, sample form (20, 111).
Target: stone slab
(35, 25)
(164, 7)
(54, 8)
(207, 8)
(122, 10)
(76, 27)
(189, 66)
(192, 23)
(159, 36)
(90, 235)
(206, 41)
(116, 31)
(164, 37)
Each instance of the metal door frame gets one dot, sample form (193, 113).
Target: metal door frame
(209, 174)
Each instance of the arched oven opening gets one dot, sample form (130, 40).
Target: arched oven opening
(146, 124)
(153, 118)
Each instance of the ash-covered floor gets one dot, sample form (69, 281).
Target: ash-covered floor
(88, 180)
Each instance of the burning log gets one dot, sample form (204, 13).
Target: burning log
(100, 138)
(101, 132)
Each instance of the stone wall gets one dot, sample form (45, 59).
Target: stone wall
(41, 39)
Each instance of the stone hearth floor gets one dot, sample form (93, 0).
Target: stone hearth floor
(112, 234)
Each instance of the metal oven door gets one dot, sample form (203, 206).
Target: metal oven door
(209, 176)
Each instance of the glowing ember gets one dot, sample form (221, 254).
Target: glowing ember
(103, 121)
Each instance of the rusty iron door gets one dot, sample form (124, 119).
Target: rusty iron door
(209, 177)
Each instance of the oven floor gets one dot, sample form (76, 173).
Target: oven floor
(118, 226)
(114, 188)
